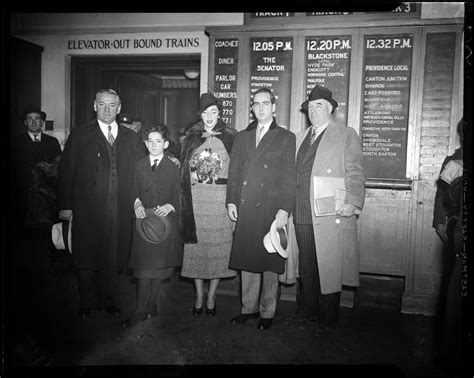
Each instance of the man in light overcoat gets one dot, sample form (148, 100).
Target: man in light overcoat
(329, 256)
(261, 188)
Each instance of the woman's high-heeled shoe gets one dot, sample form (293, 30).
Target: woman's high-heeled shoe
(211, 311)
(197, 311)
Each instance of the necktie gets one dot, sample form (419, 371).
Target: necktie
(36, 139)
(110, 137)
(313, 135)
(260, 134)
(155, 163)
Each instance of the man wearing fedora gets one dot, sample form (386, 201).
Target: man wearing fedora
(328, 257)
(261, 188)
(29, 148)
(34, 158)
(95, 181)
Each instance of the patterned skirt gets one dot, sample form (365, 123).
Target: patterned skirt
(209, 258)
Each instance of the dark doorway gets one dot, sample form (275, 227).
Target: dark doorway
(153, 87)
(25, 80)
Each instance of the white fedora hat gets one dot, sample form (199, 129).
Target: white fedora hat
(276, 240)
(61, 234)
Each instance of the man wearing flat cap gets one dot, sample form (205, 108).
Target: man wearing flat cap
(125, 120)
(137, 123)
(326, 152)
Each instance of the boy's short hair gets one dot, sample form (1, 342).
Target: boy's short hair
(162, 129)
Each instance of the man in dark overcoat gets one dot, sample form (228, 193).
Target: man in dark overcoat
(94, 185)
(34, 162)
(34, 159)
(447, 221)
(29, 148)
(261, 188)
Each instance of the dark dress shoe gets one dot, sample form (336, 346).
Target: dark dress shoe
(112, 310)
(197, 311)
(211, 311)
(242, 318)
(134, 319)
(303, 318)
(264, 323)
(152, 313)
(84, 312)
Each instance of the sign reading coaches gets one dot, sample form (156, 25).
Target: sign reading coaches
(135, 43)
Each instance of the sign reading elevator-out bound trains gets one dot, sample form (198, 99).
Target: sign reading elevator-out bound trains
(328, 64)
(385, 104)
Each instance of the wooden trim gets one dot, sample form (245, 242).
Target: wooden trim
(298, 93)
(415, 105)
(355, 82)
(457, 107)
(389, 184)
(327, 24)
(380, 11)
(243, 95)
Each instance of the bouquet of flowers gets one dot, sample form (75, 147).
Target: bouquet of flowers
(206, 165)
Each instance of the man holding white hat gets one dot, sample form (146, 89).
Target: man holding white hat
(260, 190)
(328, 255)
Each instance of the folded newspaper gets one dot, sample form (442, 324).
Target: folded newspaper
(329, 195)
(451, 171)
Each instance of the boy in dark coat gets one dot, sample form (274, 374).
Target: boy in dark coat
(156, 249)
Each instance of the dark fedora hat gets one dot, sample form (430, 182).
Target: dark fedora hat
(153, 228)
(320, 92)
(137, 118)
(34, 109)
(206, 100)
(124, 118)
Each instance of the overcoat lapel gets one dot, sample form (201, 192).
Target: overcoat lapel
(256, 152)
(97, 136)
(121, 141)
(144, 166)
(250, 138)
(300, 139)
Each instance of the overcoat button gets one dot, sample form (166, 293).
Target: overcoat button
(328, 170)
(338, 221)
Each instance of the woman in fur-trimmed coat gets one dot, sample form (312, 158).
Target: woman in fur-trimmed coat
(202, 205)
